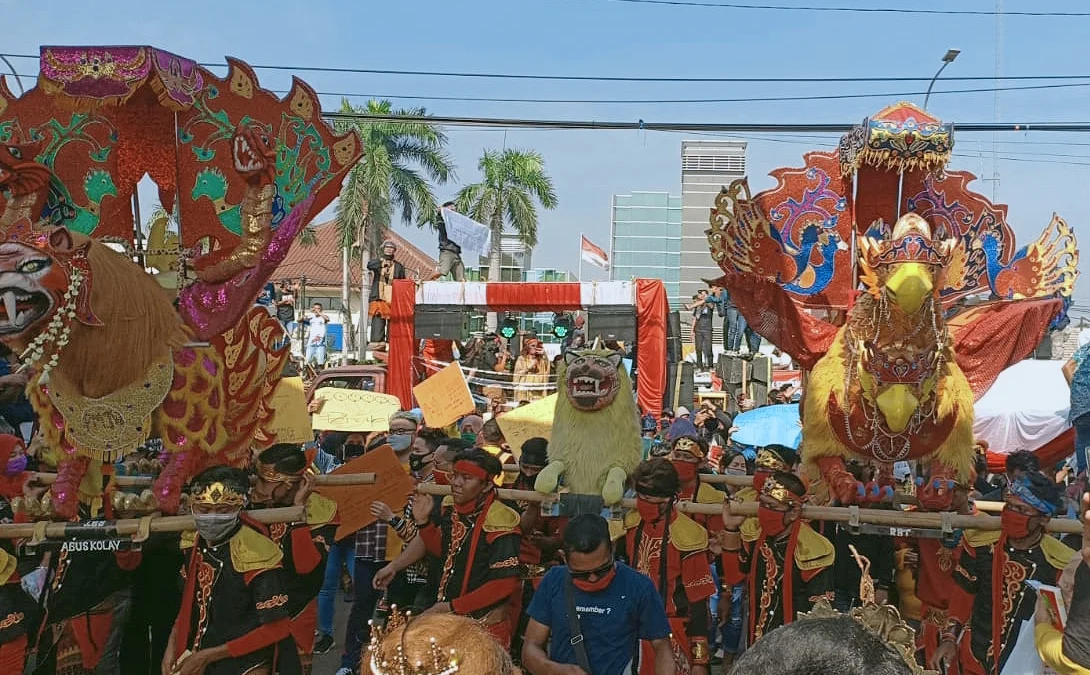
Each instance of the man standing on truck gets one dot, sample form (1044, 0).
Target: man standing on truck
(450, 253)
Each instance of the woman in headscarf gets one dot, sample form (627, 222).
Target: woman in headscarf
(532, 371)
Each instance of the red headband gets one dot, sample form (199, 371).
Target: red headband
(471, 469)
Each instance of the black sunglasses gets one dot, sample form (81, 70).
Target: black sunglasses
(598, 572)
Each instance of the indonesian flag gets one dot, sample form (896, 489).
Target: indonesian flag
(592, 254)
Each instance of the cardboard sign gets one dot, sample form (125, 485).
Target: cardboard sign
(353, 410)
(290, 420)
(393, 485)
(529, 421)
(444, 397)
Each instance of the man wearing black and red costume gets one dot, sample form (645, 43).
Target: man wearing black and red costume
(476, 538)
(540, 533)
(17, 610)
(993, 570)
(933, 561)
(689, 452)
(284, 478)
(235, 602)
(672, 550)
(789, 565)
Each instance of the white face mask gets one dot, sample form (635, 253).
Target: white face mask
(735, 472)
(214, 527)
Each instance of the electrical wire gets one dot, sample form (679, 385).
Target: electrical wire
(613, 78)
(750, 99)
(857, 10)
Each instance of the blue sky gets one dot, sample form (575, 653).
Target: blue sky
(602, 37)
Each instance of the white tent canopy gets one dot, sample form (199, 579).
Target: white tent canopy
(1025, 408)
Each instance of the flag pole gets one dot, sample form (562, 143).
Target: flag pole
(580, 256)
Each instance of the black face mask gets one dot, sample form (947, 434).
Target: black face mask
(351, 451)
(711, 425)
(418, 462)
(389, 256)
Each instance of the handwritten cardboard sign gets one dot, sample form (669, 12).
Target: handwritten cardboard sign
(353, 410)
(290, 420)
(392, 487)
(529, 421)
(444, 397)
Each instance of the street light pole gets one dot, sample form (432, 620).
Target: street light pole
(947, 59)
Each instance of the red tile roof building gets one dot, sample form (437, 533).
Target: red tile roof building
(321, 263)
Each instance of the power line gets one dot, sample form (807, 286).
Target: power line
(740, 127)
(856, 10)
(748, 99)
(612, 78)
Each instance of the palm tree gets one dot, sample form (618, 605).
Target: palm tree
(512, 180)
(400, 158)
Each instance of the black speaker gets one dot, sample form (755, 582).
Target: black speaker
(760, 369)
(611, 322)
(440, 322)
(673, 337)
(680, 390)
(1044, 350)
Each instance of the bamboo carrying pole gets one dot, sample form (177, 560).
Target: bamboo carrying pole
(129, 527)
(835, 514)
(747, 481)
(146, 481)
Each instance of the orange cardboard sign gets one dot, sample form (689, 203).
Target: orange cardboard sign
(393, 485)
(444, 397)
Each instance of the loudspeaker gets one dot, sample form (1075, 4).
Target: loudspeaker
(611, 322)
(673, 337)
(440, 322)
(680, 390)
(1044, 350)
(760, 369)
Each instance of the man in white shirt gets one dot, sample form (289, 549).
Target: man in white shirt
(316, 321)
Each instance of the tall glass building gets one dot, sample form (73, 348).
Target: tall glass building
(645, 240)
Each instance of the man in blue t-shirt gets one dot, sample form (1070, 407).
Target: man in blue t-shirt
(616, 605)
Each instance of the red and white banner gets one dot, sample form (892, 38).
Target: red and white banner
(782, 377)
(592, 254)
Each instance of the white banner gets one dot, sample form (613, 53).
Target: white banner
(467, 233)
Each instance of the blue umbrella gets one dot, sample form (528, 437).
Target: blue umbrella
(767, 425)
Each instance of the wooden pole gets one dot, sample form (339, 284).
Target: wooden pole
(835, 514)
(146, 481)
(129, 527)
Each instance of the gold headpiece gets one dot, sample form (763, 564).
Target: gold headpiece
(218, 494)
(766, 459)
(438, 662)
(778, 491)
(884, 621)
(688, 445)
(269, 474)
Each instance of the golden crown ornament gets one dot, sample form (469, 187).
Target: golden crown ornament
(438, 662)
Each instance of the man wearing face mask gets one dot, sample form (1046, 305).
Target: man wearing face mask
(789, 565)
(770, 459)
(990, 617)
(477, 541)
(688, 453)
(614, 607)
(235, 601)
(672, 550)
(18, 610)
(375, 546)
(411, 590)
(540, 534)
(285, 478)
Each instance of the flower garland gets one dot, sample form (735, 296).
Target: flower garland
(57, 333)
